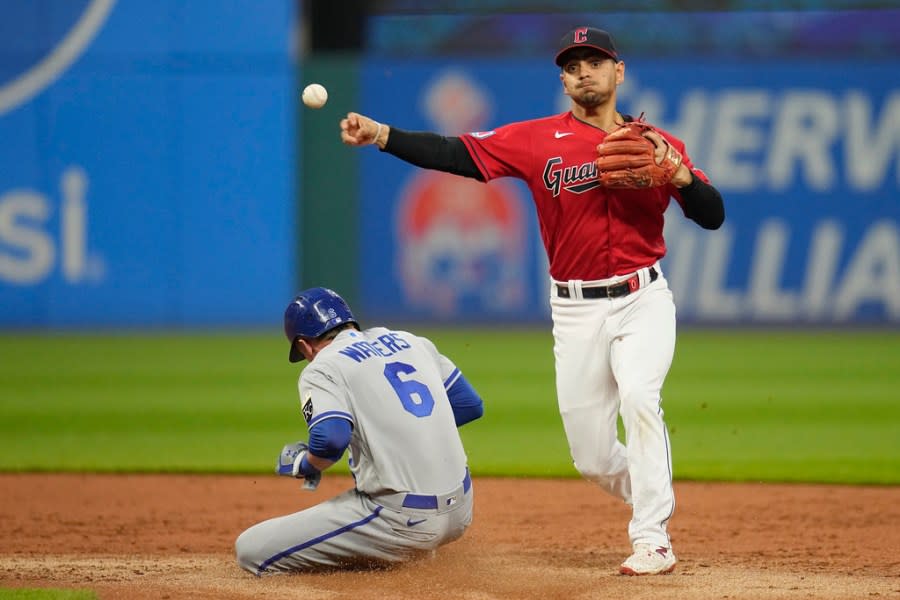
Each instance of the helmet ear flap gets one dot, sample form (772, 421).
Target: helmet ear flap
(295, 355)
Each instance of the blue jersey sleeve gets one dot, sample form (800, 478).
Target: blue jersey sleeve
(464, 400)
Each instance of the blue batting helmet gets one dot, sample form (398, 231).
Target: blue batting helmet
(313, 312)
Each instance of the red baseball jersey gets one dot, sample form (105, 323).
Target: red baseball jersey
(589, 232)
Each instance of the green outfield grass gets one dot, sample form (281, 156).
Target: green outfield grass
(749, 405)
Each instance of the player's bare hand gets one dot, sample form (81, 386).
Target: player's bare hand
(682, 176)
(359, 130)
(661, 145)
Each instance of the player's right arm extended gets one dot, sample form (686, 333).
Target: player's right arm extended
(423, 149)
(432, 151)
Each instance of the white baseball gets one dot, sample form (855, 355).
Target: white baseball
(315, 95)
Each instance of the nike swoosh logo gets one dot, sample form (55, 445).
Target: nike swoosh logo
(558, 135)
(411, 523)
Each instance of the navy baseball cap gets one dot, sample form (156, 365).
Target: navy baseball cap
(588, 37)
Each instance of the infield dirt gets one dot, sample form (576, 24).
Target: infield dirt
(140, 537)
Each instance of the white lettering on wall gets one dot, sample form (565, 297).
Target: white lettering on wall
(824, 252)
(714, 300)
(28, 247)
(26, 250)
(873, 274)
(803, 135)
(73, 224)
(751, 139)
(767, 301)
(736, 139)
(873, 142)
(697, 267)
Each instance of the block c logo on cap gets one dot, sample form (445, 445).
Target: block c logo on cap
(581, 35)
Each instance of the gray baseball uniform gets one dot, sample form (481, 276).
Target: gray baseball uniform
(413, 491)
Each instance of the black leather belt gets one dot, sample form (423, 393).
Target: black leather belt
(617, 290)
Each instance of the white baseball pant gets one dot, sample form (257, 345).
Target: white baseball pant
(612, 356)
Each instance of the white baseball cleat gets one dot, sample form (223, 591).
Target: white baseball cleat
(649, 560)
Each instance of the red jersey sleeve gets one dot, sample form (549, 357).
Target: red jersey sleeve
(502, 152)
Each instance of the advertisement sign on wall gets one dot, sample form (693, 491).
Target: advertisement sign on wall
(146, 170)
(808, 164)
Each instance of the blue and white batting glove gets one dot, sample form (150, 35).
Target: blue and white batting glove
(291, 463)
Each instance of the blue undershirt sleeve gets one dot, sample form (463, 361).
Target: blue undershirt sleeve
(465, 401)
(329, 438)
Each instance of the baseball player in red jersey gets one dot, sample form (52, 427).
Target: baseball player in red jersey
(612, 310)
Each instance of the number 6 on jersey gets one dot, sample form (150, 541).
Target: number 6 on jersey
(408, 390)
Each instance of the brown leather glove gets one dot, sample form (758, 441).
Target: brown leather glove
(627, 159)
